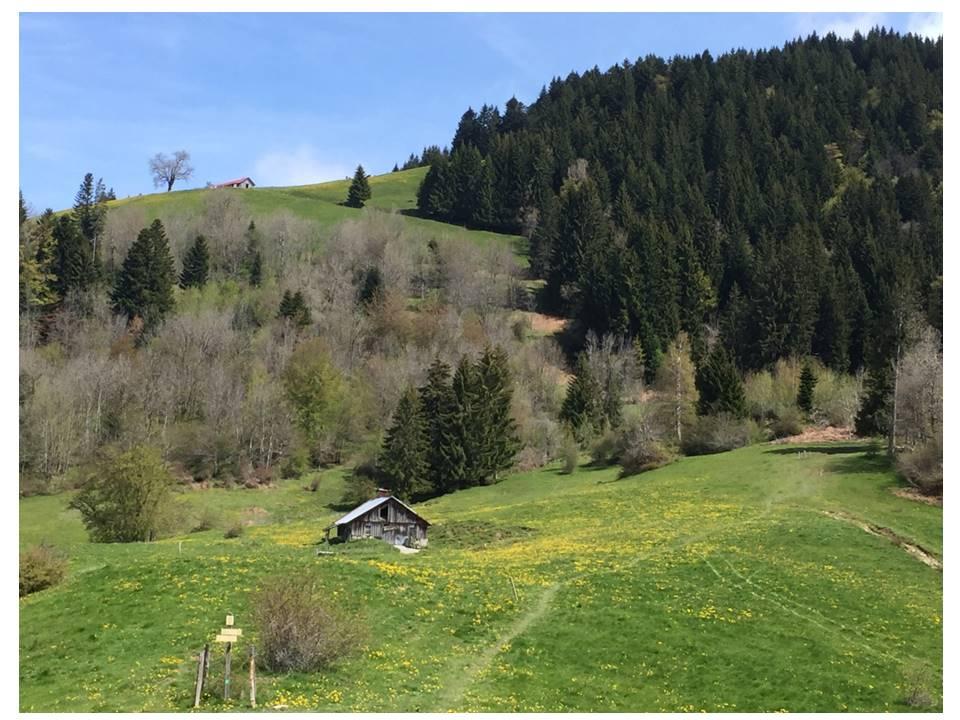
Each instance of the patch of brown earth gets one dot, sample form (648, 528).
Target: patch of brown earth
(817, 435)
(924, 556)
(546, 324)
(917, 496)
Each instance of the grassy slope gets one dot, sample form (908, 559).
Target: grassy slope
(715, 583)
(321, 203)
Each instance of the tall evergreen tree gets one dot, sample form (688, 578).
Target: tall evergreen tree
(445, 459)
(499, 430)
(582, 409)
(73, 261)
(144, 285)
(196, 264)
(719, 385)
(253, 261)
(359, 191)
(808, 381)
(403, 458)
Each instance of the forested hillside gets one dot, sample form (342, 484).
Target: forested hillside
(788, 201)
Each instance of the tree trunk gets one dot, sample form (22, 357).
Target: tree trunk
(170, 184)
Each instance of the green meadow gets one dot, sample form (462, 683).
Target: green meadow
(322, 203)
(735, 582)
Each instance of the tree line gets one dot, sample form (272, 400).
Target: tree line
(789, 198)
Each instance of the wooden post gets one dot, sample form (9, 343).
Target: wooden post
(253, 676)
(200, 674)
(226, 673)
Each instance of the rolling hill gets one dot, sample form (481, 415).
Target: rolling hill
(322, 203)
(743, 581)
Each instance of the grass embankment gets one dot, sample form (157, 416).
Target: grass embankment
(322, 203)
(716, 583)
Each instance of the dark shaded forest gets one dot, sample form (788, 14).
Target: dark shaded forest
(787, 201)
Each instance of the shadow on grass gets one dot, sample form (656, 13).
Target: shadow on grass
(871, 464)
(827, 449)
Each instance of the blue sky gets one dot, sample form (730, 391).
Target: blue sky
(291, 99)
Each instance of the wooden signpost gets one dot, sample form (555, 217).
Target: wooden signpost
(228, 635)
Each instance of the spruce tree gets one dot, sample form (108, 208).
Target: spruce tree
(144, 285)
(499, 442)
(808, 382)
(196, 264)
(253, 260)
(719, 385)
(73, 261)
(294, 308)
(403, 458)
(582, 409)
(444, 455)
(465, 428)
(359, 191)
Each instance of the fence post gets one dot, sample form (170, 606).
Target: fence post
(226, 673)
(253, 676)
(200, 675)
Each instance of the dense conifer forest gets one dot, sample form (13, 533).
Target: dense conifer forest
(789, 201)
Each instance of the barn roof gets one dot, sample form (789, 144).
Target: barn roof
(369, 505)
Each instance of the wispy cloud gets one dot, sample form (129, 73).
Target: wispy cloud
(841, 25)
(300, 166)
(927, 24)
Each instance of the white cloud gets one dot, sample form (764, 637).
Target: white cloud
(840, 25)
(926, 24)
(300, 166)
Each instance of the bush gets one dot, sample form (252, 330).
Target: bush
(642, 455)
(361, 484)
(300, 629)
(234, 531)
(129, 499)
(40, 567)
(718, 433)
(570, 453)
(789, 423)
(923, 467)
(208, 519)
(606, 449)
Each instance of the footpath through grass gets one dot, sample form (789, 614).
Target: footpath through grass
(717, 583)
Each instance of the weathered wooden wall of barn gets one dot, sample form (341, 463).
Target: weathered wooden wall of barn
(376, 523)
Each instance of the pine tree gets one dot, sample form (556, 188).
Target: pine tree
(359, 191)
(719, 385)
(73, 263)
(90, 213)
(294, 308)
(144, 286)
(808, 381)
(256, 269)
(465, 427)
(444, 456)
(196, 264)
(23, 209)
(499, 430)
(582, 409)
(253, 259)
(403, 458)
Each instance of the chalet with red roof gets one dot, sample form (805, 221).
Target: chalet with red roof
(243, 182)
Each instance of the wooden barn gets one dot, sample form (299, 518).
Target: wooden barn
(385, 518)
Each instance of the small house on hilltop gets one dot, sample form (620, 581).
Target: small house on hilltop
(385, 518)
(243, 182)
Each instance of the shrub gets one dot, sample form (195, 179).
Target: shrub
(642, 455)
(923, 467)
(300, 629)
(208, 519)
(234, 531)
(570, 453)
(836, 398)
(361, 484)
(789, 423)
(129, 499)
(717, 433)
(916, 687)
(40, 567)
(606, 449)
